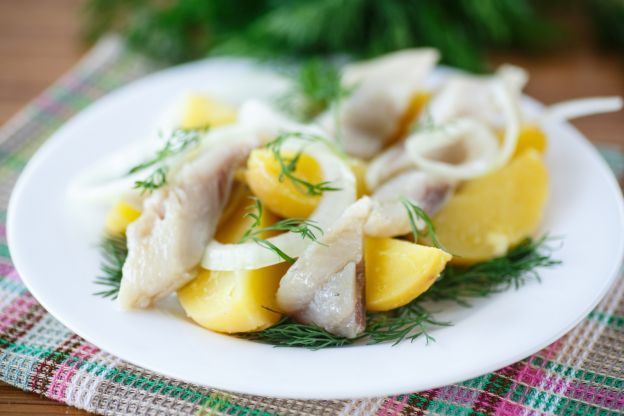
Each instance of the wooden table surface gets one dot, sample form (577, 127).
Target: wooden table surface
(39, 40)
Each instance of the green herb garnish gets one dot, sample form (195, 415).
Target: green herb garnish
(179, 141)
(155, 180)
(416, 214)
(288, 165)
(409, 322)
(304, 227)
(315, 87)
(520, 264)
(114, 252)
(287, 333)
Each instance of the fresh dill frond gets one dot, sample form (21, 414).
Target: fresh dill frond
(289, 165)
(405, 323)
(316, 85)
(425, 122)
(114, 252)
(288, 333)
(307, 229)
(179, 140)
(411, 321)
(416, 214)
(155, 180)
(519, 265)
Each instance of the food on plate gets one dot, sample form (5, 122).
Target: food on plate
(166, 242)
(398, 271)
(233, 301)
(263, 175)
(325, 286)
(516, 196)
(320, 223)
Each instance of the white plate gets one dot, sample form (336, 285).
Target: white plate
(56, 257)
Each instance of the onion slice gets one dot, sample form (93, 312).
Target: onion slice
(484, 152)
(480, 145)
(582, 107)
(332, 204)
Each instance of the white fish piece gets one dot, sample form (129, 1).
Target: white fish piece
(388, 164)
(165, 244)
(382, 89)
(325, 286)
(388, 216)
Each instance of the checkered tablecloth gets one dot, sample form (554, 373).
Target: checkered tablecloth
(580, 374)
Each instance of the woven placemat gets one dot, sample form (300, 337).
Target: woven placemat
(580, 374)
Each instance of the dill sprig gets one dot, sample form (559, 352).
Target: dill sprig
(287, 333)
(289, 165)
(414, 320)
(519, 265)
(155, 180)
(114, 252)
(179, 140)
(406, 323)
(304, 227)
(316, 85)
(416, 214)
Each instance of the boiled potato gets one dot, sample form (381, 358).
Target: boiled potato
(416, 106)
(234, 221)
(282, 197)
(398, 271)
(201, 111)
(234, 301)
(358, 167)
(531, 137)
(119, 217)
(493, 213)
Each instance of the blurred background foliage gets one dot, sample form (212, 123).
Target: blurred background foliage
(463, 30)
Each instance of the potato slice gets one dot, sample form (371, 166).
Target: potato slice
(234, 220)
(531, 137)
(398, 271)
(282, 197)
(234, 301)
(493, 213)
(201, 111)
(358, 167)
(119, 217)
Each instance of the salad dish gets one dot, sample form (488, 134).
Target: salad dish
(338, 210)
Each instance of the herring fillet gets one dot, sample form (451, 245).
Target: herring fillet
(166, 243)
(382, 89)
(325, 286)
(388, 216)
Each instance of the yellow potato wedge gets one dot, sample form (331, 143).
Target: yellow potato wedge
(201, 111)
(491, 214)
(234, 301)
(282, 197)
(119, 217)
(398, 271)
